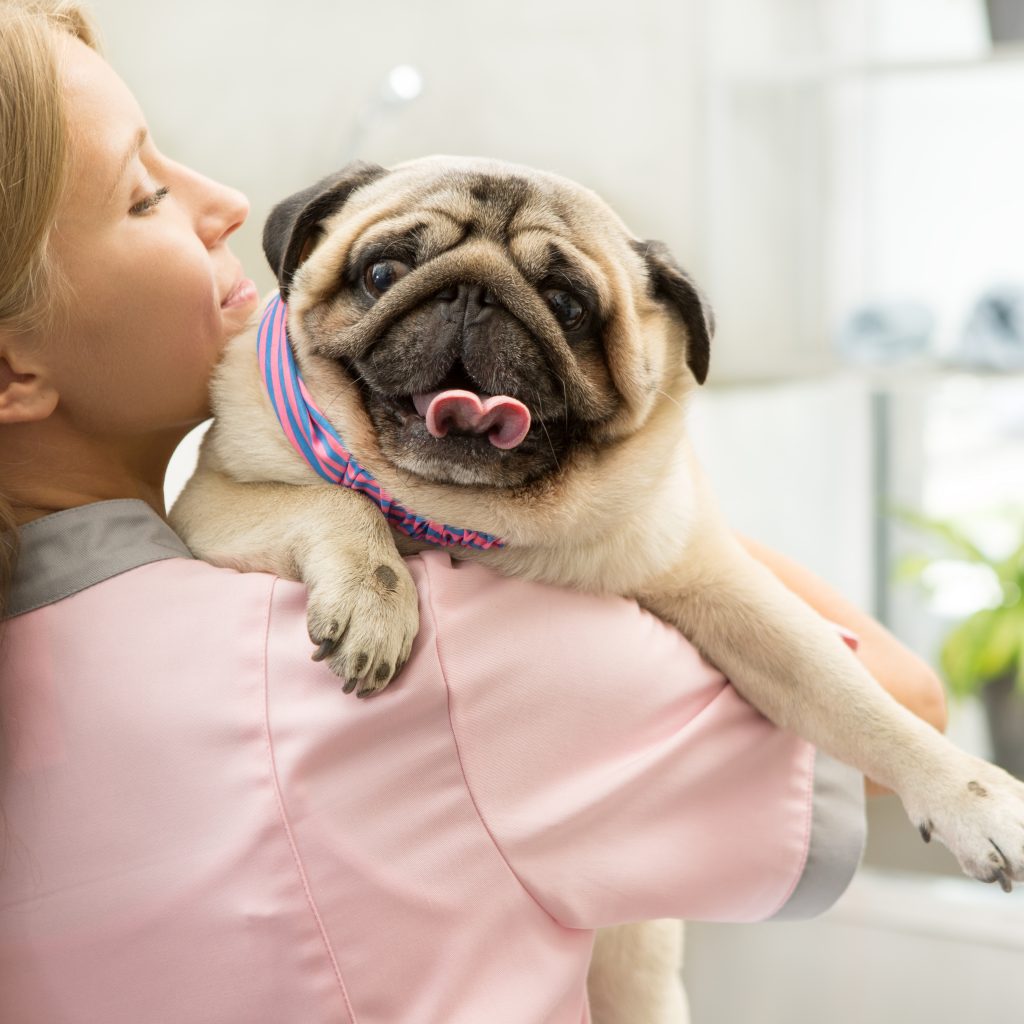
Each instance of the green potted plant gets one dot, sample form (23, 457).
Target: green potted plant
(983, 655)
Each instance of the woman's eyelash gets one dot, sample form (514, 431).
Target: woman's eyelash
(147, 204)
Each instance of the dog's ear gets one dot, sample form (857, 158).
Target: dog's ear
(293, 227)
(671, 284)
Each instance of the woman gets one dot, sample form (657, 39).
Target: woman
(198, 825)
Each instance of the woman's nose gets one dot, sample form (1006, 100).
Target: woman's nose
(221, 213)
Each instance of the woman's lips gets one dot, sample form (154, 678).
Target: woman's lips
(241, 295)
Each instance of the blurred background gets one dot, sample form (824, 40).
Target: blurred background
(846, 180)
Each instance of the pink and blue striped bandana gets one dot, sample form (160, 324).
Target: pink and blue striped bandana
(313, 437)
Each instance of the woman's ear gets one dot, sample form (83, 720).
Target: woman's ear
(26, 392)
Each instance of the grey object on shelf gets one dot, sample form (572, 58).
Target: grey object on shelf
(883, 333)
(1004, 705)
(1006, 20)
(993, 338)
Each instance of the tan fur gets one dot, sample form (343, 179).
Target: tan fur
(644, 961)
(630, 515)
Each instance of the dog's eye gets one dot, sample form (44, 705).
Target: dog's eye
(380, 276)
(568, 310)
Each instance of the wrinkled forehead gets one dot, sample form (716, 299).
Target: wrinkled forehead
(549, 225)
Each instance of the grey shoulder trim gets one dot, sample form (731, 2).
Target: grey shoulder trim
(64, 553)
(838, 832)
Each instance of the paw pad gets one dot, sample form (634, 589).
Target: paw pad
(386, 577)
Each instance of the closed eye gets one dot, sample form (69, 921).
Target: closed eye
(144, 206)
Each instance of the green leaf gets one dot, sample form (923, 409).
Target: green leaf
(952, 535)
(1002, 647)
(960, 652)
(911, 568)
(984, 647)
(1011, 568)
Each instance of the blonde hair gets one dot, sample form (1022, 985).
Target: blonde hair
(33, 169)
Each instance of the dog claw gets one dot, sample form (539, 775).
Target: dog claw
(325, 649)
(926, 831)
(1001, 872)
(362, 633)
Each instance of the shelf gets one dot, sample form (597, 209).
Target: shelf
(827, 72)
(953, 909)
(898, 377)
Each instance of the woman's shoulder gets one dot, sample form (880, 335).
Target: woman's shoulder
(469, 586)
(486, 624)
(119, 551)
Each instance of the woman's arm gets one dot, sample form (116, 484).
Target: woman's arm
(899, 670)
(618, 775)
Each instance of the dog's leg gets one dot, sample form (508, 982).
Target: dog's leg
(634, 975)
(362, 611)
(790, 664)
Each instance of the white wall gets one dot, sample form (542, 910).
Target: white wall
(792, 466)
(263, 95)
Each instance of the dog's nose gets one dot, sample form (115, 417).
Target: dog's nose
(467, 297)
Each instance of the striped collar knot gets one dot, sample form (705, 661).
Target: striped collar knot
(316, 440)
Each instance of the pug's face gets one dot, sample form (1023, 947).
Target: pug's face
(435, 302)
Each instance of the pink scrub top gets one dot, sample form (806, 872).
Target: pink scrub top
(199, 827)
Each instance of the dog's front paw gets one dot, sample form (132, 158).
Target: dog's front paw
(363, 617)
(977, 810)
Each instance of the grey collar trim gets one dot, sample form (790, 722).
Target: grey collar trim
(64, 553)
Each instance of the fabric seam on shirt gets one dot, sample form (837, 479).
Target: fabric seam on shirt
(808, 829)
(458, 751)
(63, 595)
(300, 867)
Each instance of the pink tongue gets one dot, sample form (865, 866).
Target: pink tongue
(505, 420)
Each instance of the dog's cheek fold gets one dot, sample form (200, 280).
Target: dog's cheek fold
(327, 326)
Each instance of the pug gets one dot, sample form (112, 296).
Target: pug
(488, 358)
